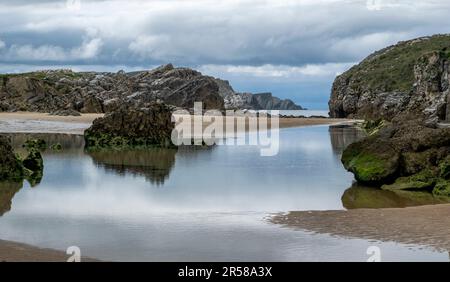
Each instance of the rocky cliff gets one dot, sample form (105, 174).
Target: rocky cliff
(410, 79)
(248, 101)
(91, 92)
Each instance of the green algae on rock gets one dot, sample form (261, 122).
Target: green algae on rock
(10, 165)
(442, 188)
(423, 180)
(371, 162)
(407, 156)
(12, 168)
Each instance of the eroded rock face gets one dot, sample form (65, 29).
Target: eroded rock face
(404, 156)
(408, 79)
(130, 126)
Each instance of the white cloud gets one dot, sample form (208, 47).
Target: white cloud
(280, 71)
(2, 44)
(88, 50)
(193, 32)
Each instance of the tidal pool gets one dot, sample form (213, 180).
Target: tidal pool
(193, 204)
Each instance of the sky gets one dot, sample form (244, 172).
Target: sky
(292, 48)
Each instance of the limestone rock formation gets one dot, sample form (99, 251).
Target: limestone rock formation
(130, 126)
(410, 79)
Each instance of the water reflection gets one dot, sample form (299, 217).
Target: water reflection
(361, 197)
(7, 192)
(155, 164)
(212, 208)
(70, 144)
(342, 136)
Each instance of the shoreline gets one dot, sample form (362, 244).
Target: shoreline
(30, 122)
(421, 226)
(19, 252)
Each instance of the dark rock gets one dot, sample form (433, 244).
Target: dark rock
(92, 104)
(203, 89)
(10, 166)
(130, 126)
(402, 156)
(90, 92)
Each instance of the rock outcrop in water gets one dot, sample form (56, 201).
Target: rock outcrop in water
(12, 168)
(150, 125)
(410, 79)
(403, 156)
(64, 92)
(10, 165)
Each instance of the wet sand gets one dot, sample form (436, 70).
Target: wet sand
(422, 226)
(16, 252)
(25, 122)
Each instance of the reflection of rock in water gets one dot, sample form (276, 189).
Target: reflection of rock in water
(7, 192)
(69, 142)
(343, 135)
(154, 164)
(360, 197)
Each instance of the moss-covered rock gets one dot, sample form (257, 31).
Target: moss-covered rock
(444, 167)
(423, 180)
(35, 144)
(442, 188)
(371, 162)
(10, 165)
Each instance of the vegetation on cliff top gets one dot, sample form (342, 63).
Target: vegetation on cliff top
(392, 68)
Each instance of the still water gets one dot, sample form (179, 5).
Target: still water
(192, 204)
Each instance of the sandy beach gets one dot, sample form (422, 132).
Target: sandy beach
(423, 226)
(26, 122)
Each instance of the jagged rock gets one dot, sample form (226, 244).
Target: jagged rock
(90, 92)
(202, 89)
(92, 104)
(130, 126)
(410, 79)
(10, 166)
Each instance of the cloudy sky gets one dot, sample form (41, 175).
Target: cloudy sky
(293, 48)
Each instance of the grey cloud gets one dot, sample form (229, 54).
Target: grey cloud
(196, 32)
